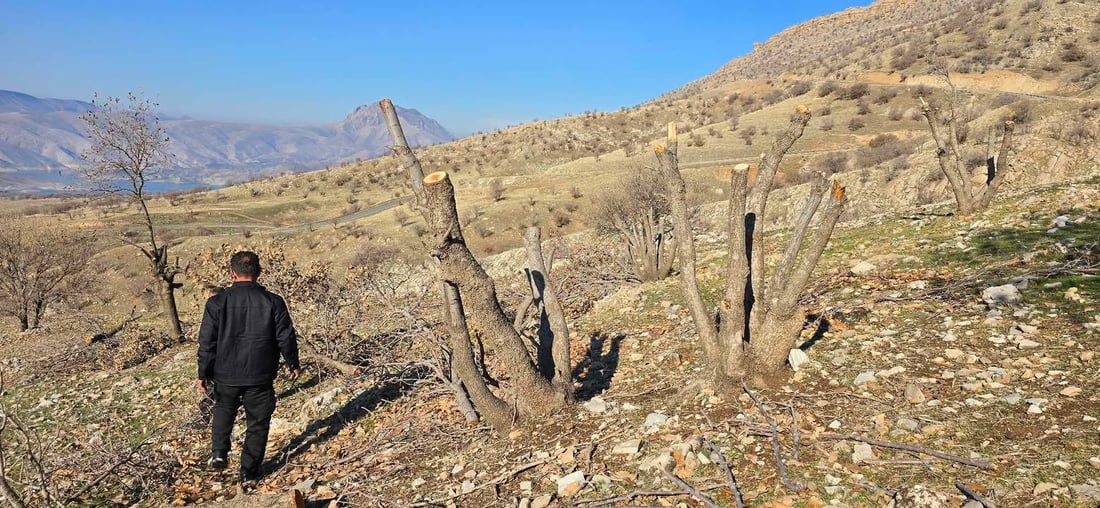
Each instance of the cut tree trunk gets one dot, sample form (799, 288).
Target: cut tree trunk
(968, 199)
(551, 314)
(489, 406)
(534, 394)
(758, 320)
(171, 312)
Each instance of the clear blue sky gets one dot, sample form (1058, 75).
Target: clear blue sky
(470, 65)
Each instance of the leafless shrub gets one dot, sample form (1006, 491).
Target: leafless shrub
(854, 92)
(496, 189)
(39, 266)
(831, 163)
(636, 211)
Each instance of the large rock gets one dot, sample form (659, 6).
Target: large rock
(627, 447)
(861, 453)
(919, 496)
(862, 268)
(570, 484)
(998, 295)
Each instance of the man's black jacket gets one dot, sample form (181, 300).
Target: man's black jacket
(244, 328)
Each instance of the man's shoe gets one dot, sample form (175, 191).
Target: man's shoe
(217, 462)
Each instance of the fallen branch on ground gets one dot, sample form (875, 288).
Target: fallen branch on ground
(596, 503)
(692, 491)
(776, 449)
(730, 479)
(978, 463)
(968, 492)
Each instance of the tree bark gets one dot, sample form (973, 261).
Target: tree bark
(947, 155)
(535, 395)
(757, 324)
(552, 314)
(733, 309)
(1000, 167)
(401, 147)
(489, 406)
(171, 312)
(681, 221)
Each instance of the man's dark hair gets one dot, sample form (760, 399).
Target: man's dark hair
(245, 264)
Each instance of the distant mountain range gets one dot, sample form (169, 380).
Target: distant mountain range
(41, 141)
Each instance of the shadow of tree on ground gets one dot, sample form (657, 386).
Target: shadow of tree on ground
(597, 368)
(388, 389)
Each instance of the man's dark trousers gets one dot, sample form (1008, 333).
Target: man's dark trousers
(259, 405)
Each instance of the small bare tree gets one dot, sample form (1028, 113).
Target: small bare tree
(465, 287)
(637, 210)
(39, 265)
(758, 320)
(128, 148)
(949, 133)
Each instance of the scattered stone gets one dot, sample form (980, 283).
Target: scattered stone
(913, 394)
(1034, 409)
(629, 407)
(907, 424)
(1012, 399)
(570, 484)
(630, 447)
(972, 387)
(1087, 356)
(1071, 391)
(997, 295)
(415, 483)
(797, 358)
(1043, 488)
(542, 501)
(973, 504)
(893, 371)
(1027, 344)
(862, 452)
(595, 405)
(601, 481)
(919, 496)
(953, 354)
(1026, 329)
(467, 486)
(526, 486)
(655, 420)
(1052, 285)
(864, 378)
(1090, 492)
(862, 268)
(1073, 295)
(659, 462)
(1094, 462)
(307, 485)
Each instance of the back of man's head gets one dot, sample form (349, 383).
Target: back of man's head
(245, 264)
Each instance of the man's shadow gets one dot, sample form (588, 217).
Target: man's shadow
(388, 389)
(598, 367)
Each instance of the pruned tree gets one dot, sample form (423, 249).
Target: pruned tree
(637, 210)
(39, 265)
(949, 132)
(128, 148)
(758, 320)
(468, 293)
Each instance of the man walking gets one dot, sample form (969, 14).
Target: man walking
(244, 330)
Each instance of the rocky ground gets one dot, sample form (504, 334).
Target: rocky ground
(971, 338)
